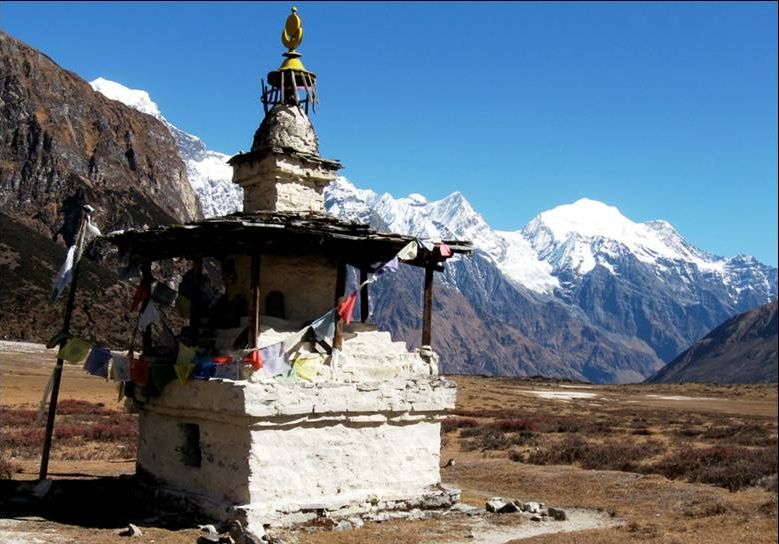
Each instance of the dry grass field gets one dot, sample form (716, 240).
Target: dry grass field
(666, 464)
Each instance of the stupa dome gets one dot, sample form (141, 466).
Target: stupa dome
(286, 127)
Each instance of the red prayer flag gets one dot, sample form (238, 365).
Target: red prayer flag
(346, 309)
(141, 295)
(445, 250)
(255, 359)
(139, 371)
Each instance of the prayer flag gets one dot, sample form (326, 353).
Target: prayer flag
(120, 368)
(324, 327)
(183, 306)
(389, 266)
(274, 360)
(254, 358)
(87, 232)
(141, 295)
(184, 371)
(56, 339)
(139, 371)
(162, 375)
(287, 377)
(294, 339)
(97, 362)
(227, 371)
(75, 350)
(346, 308)
(64, 275)
(409, 251)
(306, 366)
(163, 294)
(204, 370)
(150, 315)
(445, 250)
(185, 354)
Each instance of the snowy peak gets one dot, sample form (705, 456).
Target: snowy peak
(581, 235)
(451, 217)
(135, 98)
(586, 218)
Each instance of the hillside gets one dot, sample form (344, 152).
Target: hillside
(741, 350)
(62, 145)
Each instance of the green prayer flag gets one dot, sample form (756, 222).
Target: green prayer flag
(162, 375)
(183, 306)
(75, 350)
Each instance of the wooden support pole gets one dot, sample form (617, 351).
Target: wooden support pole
(255, 304)
(340, 281)
(146, 283)
(338, 337)
(57, 376)
(364, 300)
(340, 291)
(427, 312)
(194, 304)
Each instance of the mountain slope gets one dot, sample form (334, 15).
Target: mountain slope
(744, 349)
(639, 281)
(207, 171)
(59, 139)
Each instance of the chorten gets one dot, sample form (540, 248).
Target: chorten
(294, 411)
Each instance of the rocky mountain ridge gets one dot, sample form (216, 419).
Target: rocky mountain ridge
(553, 298)
(639, 284)
(743, 349)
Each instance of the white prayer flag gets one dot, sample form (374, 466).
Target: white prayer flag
(150, 315)
(409, 251)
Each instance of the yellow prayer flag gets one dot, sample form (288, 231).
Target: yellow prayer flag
(184, 371)
(75, 350)
(185, 355)
(306, 366)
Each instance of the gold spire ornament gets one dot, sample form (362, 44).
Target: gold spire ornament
(291, 37)
(292, 34)
(291, 83)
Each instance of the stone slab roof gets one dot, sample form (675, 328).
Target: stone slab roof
(292, 233)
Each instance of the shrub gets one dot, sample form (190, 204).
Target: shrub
(610, 455)
(7, 468)
(453, 423)
(731, 467)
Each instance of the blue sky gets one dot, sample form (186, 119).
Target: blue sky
(665, 110)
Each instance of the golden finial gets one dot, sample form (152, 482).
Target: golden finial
(292, 34)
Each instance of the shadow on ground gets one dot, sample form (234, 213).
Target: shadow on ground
(99, 503)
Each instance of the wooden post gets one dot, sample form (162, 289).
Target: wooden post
(364, 300)
(194, 304)
(146, 283)
(338, 337)
(340, 291)
(255, 302)
(57, 377)
(427, 312)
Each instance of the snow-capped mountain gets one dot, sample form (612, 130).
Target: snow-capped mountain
(581, 291)
(449, 218)
(634, 279)
(208, 171)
